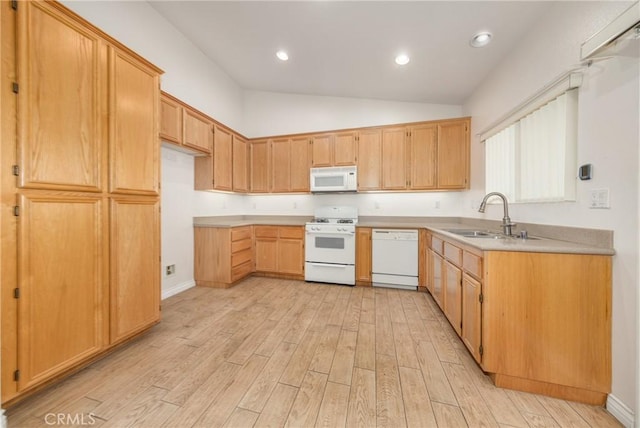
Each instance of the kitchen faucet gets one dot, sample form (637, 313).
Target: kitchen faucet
(506, 221)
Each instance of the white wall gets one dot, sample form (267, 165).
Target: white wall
(608, 135)
(269, 113)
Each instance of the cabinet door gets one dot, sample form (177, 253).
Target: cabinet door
(267, 255)
(291, 256)
(436, 275)
(453, 155)
(422, 159)
(344, 149)
(203, 173)
(62, 264)
(62, 75)
(280, 165)
(222, 159)
(240, 161)
(198, 132)
(370, 160)
(322, 152)
(134, 149)
(363, 254)
(472, 315)
(394, 157)
(259, 171)
(299, 172)
(453, 295)
(170, 120)
(135, 265)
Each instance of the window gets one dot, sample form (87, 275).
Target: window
(533, 159)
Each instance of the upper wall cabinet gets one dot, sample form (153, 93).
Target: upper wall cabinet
(290, 165)
(394, 158)
(259, 166)
(216, 172)
(423, 142)
(453, 154)
(184, 127)
(334, 149)
(62, 73)
(240, 164)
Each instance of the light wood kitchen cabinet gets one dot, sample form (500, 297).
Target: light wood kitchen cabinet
(198, 131)
(370, 159)
(290, 165)
(87, 160)
(394, 159)
(471, 334)
(187, 129)
(135, 265)
(134, 150)
(61, 129)
(337, 149)
(453, 154)
(280, 165)
(223, 255)
(259, 166)
(64, 286)
(299, 165)
(363, 256)
(216, 172)
(280, 250)
(171, 119)
(453, 295)
(423, 142)
(436, 271)
(222, 159)
(240, 164)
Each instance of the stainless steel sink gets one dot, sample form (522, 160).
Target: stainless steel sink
(471, 233)
(474, 233)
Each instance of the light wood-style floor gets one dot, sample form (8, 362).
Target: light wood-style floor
(271, 352)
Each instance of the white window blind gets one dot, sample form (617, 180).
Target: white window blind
(534, 158)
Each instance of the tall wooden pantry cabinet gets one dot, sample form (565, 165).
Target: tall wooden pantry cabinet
(80, 194)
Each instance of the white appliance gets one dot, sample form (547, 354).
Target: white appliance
(334, 179)
(394, 258)
(330, 246)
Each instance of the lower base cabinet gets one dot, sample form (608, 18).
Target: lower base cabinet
(535, 322)
(223, 255)
(363, 256)
(280, 250)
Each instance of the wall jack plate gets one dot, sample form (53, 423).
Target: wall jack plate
(599, 198)
(170, 270)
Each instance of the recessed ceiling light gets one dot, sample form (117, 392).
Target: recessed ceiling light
(480, 39)
(282, 55)
(402, 59)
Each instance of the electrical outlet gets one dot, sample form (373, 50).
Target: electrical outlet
(170, 270)
(599, 198)
(376, 205)
(437, 205)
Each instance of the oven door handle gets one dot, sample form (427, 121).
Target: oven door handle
(331, 265)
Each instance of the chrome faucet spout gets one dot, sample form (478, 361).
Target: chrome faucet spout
(506, 220)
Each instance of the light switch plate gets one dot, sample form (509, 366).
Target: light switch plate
(599, 198)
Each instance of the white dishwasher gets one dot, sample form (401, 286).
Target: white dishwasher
(394, 258)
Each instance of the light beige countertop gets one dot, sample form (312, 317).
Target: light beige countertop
(550, 239)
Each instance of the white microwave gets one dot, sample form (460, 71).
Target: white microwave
(334, 179)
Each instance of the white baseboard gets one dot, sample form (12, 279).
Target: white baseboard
(620, 411)
(178, 288)
(3, 419)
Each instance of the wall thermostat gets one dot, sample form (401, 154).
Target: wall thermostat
(584, 173)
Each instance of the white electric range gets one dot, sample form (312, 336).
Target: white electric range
(330, 245)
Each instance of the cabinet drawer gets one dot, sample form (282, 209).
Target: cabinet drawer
(472, 264)
(240, 271)
(453, 254)
(238, 233)
(292, 232)
(266, 231)
(240, 245)
(436, 245)
(241, 257)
